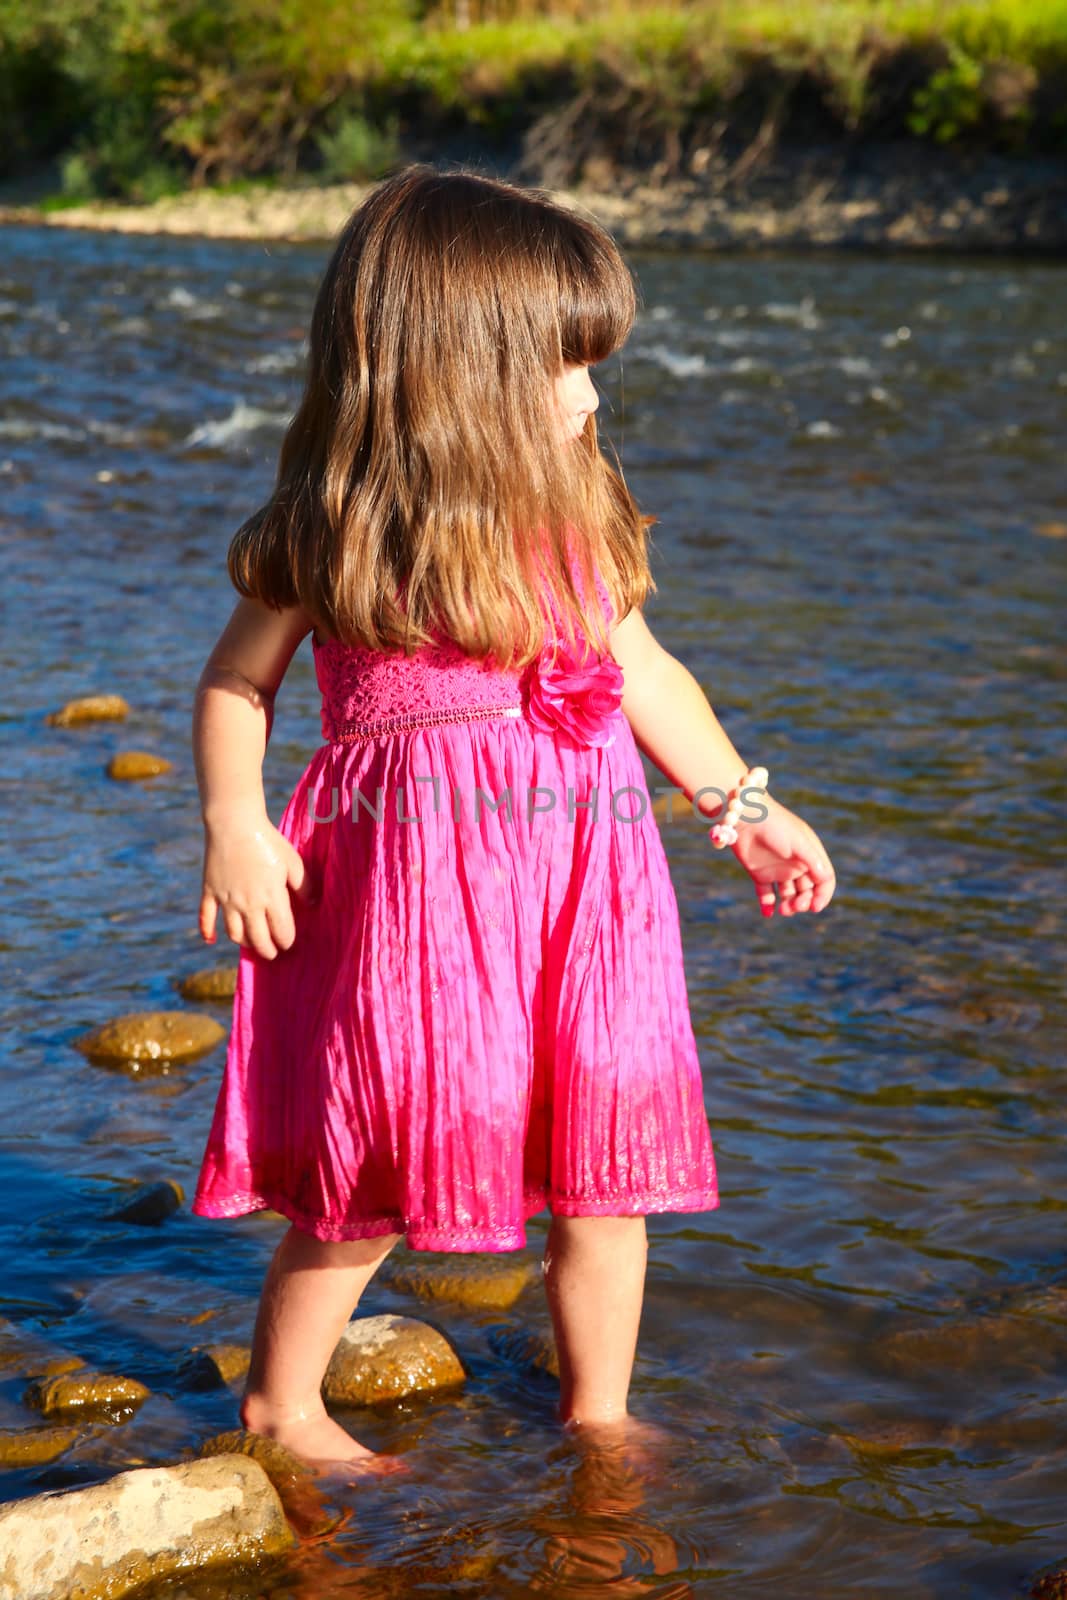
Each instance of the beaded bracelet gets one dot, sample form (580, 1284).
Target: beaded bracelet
(725, 832)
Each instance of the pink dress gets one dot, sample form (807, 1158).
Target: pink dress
(485, 1013)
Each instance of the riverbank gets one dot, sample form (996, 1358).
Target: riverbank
(893, 195)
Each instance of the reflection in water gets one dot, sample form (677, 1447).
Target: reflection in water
(599, 1539)
(857, 468)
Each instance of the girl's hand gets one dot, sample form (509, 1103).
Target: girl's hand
(249, 868)
(784, 850)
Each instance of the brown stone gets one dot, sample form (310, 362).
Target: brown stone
(90, 708)
(33, 1447)
(468, 1281)
(87, 1392)
(128, 765)
(294, 1481)
(147, 1036)
(382, 1358)
(210, 983)
(673, 810)
(139, 1528)
(151, 1202)
(25, 1354)
(961, 1345)
(215, 1366)
(526, 1348)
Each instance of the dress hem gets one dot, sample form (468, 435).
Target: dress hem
(510, 1236)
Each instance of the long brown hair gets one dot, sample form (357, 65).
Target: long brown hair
(425, 454)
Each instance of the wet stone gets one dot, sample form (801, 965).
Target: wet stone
(210, 983)
(969, 1345)
(129, 765)
(293, 1480)
(94, 1393)
(34, 1447)
(466, 1281)
(139, 1528)
(151, 1203)
(383, 1358)
(214, 1366)
(889, 1439)
(148, 1036)
(673, 810)
(24, 1354)
(89, 708)
(524, 1347)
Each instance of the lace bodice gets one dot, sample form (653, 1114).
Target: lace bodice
(365, 691)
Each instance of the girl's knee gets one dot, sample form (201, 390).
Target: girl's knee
(600, 1227)
(341, 1252)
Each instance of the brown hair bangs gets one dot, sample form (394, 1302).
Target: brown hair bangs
(422, 484)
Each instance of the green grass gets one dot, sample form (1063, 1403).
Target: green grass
(137, 96)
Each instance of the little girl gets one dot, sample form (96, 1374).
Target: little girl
(461, 996)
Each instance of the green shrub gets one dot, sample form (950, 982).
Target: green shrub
(355, 149)
(118, 156)
(951, 100)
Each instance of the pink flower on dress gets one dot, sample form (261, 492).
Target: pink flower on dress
(578, 696)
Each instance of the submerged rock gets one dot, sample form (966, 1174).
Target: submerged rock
(83, 1391)
(969, 1344)
(146, 1036)
(131, 764)
(383, 1358)
(469, 1281)
(140, 1527)
(34, 1447)
(294, 1481)
(675, 810)
(214, 1366)
(25, 1354)
(151, 1202)
(210, 983)
(526, 1348)
(282, 1466)
(889, 1439)
(89, 708)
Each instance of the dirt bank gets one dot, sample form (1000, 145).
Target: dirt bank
(903, 195)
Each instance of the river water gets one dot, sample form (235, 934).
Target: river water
(860, 1359)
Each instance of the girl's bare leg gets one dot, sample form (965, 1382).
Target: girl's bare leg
(310, 1291)
(594, 1280)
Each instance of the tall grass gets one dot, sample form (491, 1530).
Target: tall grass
(136, 95)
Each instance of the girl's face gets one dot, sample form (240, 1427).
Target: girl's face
(576, 398)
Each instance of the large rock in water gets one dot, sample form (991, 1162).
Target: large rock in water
(469, 1281)
(382, 1358)
(129, 765)
(85, 1392)
(90, 708)
(140, 1527)
(145, 1036)
(210, 983)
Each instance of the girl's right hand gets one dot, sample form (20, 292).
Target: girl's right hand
(249, 868)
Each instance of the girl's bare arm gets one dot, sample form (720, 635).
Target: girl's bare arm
(234, 706)
(674, 725)
(671, 718)
(250, 868)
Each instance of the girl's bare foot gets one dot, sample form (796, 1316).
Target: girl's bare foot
(319, 1441)
(643, 1446)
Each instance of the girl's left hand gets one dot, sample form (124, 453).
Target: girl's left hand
(783, 850)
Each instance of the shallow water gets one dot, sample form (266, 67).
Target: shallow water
(860, 1358)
